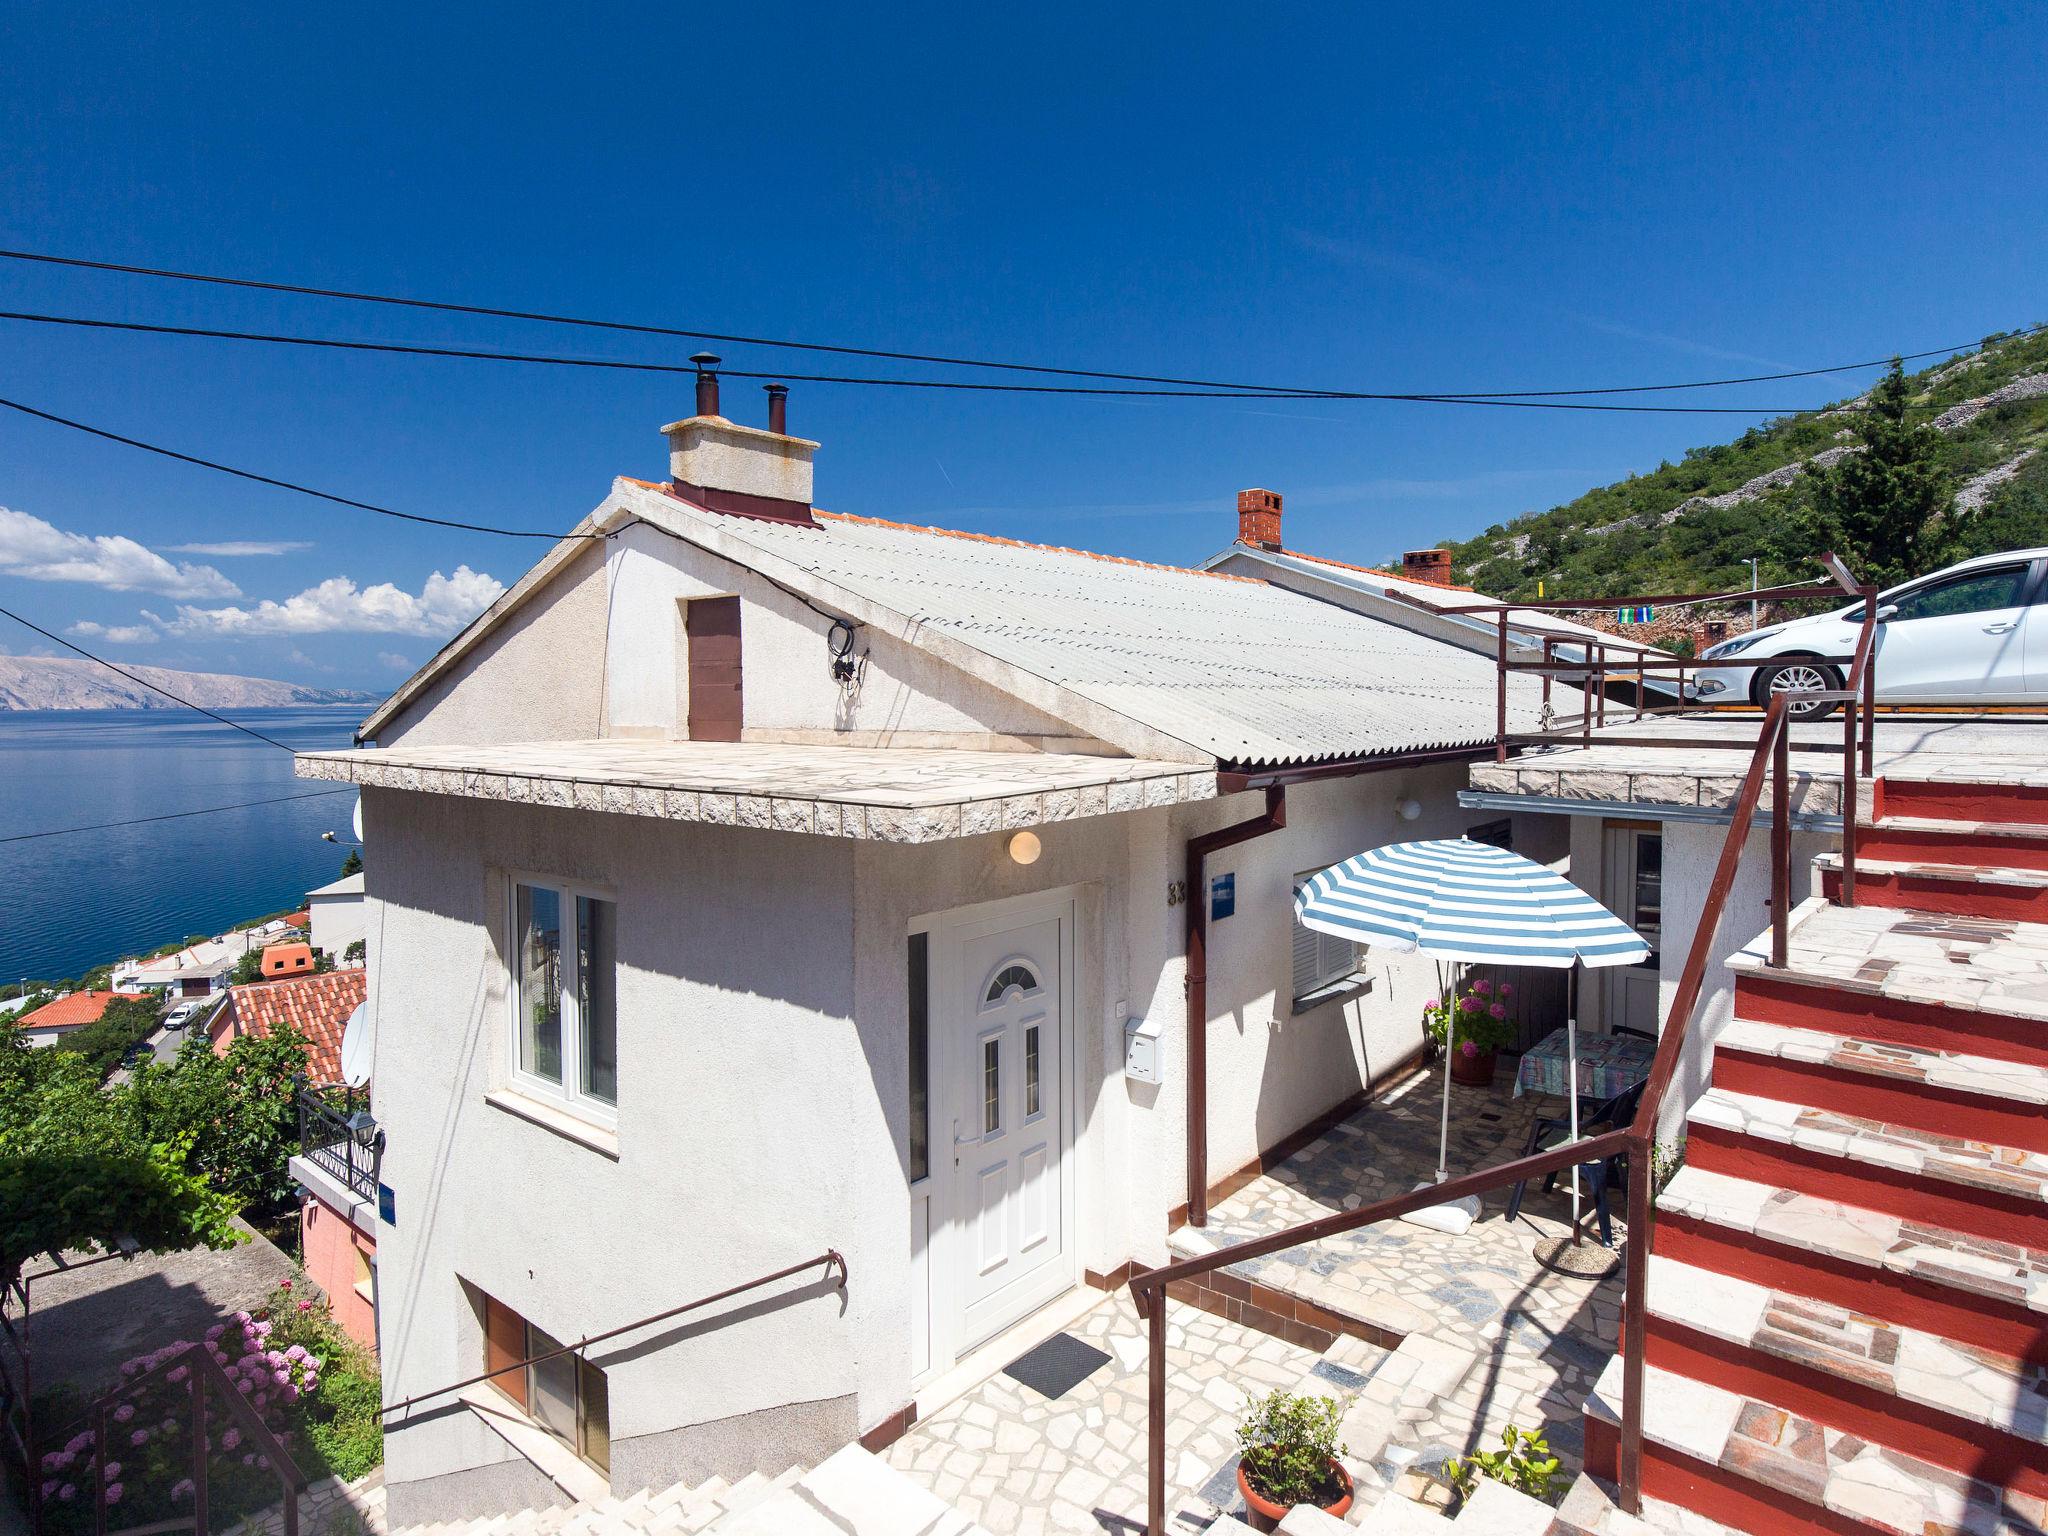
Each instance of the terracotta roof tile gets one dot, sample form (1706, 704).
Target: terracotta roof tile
(71, 1012)
(316, 1006)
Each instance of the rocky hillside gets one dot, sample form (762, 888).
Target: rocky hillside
(46, 682)
(1692, 526)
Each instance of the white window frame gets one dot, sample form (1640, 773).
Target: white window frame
(565, 1095)
(1328, 982)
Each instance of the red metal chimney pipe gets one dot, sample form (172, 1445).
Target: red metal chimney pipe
(707, 383)
(778, 408)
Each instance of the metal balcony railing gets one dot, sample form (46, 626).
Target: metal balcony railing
(338, 1135)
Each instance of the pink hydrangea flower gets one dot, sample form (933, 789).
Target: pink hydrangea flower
(1507, 989)
(231, 1439)
(139, 1438)
(124, 1413)
(1469, 1048)
(1482, 986)
(113, 1471)
(181, 1489)
(284, 1285)
(305, 1306)
(67, 1493)
(1498, 1011)
(113, 1493)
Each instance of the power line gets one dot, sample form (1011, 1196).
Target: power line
(477, 354)
(137, 821)
(145, 682)
(283, 485)
(586, 322)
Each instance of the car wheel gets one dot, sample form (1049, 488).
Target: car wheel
(1796, 674)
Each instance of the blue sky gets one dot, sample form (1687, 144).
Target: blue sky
(1445, 198)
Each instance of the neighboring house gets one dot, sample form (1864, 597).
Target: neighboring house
(74, 1010)
(286, 960)
(198, 970)
(336, 1166)
(336, 915)
(752, 881)
(1420, 596)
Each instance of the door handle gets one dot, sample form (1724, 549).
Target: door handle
(960, 1141)
(2001, 629)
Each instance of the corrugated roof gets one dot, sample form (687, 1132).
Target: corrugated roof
(1242, 670)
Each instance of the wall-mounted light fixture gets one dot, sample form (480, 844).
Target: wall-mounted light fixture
(1024, 847)
(1408, 810)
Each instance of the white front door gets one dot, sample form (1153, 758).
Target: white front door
(1007, 1017)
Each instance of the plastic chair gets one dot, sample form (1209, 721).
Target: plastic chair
(1601, 1175)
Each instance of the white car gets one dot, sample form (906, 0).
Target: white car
(1970, 634)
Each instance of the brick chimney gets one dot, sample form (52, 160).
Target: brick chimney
(1428, 565)
(725, 467)
(1258, 519)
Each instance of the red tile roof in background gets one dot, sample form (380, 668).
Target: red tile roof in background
(287, 959)
(316, 1006)
(71, 1012)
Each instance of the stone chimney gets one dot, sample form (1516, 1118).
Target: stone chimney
(724, 467)
(1258, 519)
(1428, 565)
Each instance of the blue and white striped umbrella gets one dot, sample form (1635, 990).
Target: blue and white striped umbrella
(1460, 900)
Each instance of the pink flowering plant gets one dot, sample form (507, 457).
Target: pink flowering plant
(1472, 1019)
(310, 1386)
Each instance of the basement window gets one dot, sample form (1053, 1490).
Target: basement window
(1326, 967)
(565, 1394)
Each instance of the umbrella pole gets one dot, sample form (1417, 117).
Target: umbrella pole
(1571, 1079)
(1443, 1139)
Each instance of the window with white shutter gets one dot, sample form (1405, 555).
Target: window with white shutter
(1321, 960)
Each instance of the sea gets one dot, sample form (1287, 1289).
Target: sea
(84, 898)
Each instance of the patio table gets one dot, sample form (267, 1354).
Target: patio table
(1608, 1064)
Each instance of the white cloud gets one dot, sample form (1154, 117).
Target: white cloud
(395, 662)
(443, 605)
(118, 634)
(230, 548)
(40, 551)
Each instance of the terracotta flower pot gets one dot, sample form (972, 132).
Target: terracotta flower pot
(1265, 1515)
(1474, 1071)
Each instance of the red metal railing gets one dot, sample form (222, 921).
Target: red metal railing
(1769, 758)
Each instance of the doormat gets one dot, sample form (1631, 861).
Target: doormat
(1057, 1366)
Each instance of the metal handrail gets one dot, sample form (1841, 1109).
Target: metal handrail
(830, 1258)
(204, 1369)
(1770, 755)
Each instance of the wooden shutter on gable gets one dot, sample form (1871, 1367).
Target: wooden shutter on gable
(712, 628)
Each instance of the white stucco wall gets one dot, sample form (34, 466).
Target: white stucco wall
(748, 1132)
(905, 696)
(1692, 850)
(337, 921)
(537, 677)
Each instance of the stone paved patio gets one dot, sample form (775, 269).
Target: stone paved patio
(1536, 1340)
(1017, 1462)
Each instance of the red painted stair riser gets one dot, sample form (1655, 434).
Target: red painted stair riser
(1925, 1026)
(2005, 1328)
(1914, 1197)
(1895, 1101)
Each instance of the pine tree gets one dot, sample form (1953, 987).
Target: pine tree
(1882, 509)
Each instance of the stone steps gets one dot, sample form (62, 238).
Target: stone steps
(1980, 1187)
(1760, 1468)
(1856, 1356)
(1977, 803)
(1932, 885)
(1978, 1291)
(1877, 1080)
(851, 1493)
(1939, 839)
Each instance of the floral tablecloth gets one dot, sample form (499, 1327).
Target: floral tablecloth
(1608, 1064)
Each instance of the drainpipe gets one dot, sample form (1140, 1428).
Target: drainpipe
(1197, 904)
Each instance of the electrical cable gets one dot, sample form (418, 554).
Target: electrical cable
(145, 682)
(283, 485)
(585, 322)
(210, 810)
(479, 354)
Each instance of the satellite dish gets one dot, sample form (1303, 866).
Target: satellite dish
(356, 818)
(358, 1040)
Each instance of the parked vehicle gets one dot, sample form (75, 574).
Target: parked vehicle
(185, 1014)
(1969, 634)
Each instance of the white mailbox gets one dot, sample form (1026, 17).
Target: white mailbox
(1141, 1050)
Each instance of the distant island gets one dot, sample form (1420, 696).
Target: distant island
(49, 682)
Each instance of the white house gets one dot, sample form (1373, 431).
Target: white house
(752, 881)
(336, 911)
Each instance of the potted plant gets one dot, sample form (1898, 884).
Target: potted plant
(1473, 1026)
(1288, 1455)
